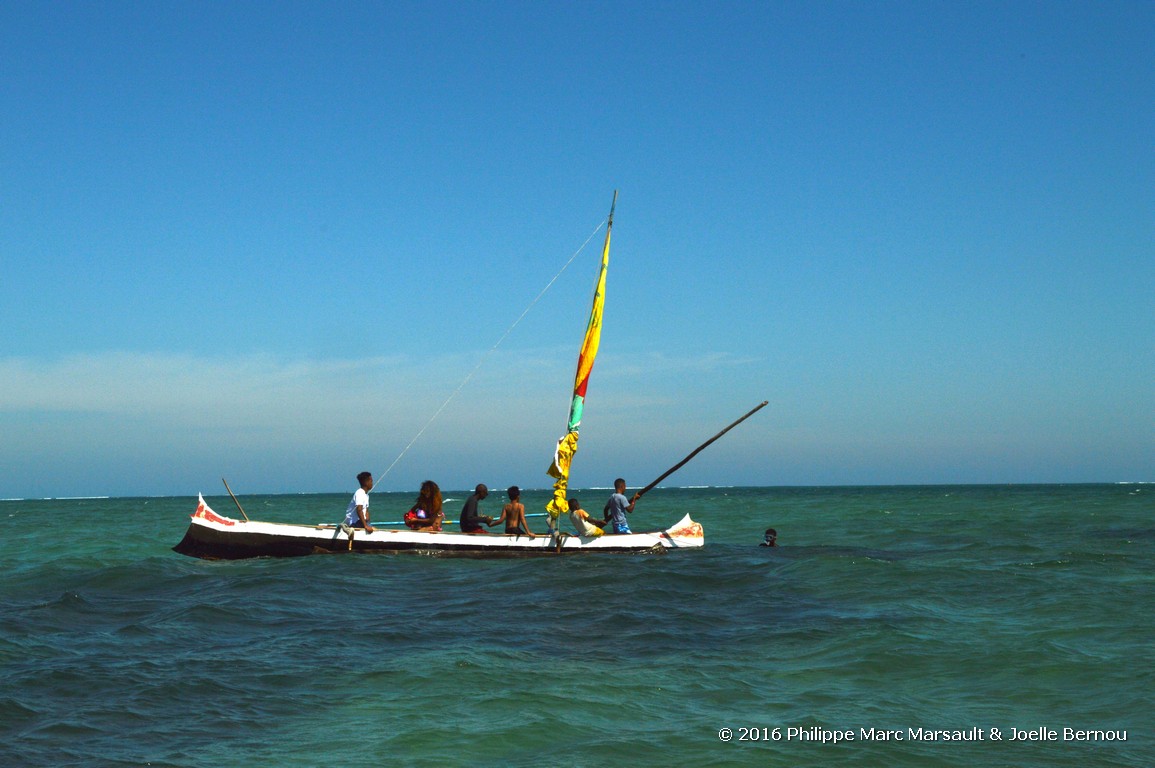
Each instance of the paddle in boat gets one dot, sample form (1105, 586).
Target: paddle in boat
(213, 536)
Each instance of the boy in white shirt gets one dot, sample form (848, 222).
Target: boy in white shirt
(357, 514)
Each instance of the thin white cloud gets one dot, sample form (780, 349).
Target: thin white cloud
(295, 422)
(177, 386)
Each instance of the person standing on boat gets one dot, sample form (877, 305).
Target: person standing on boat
(357, 513)
(618, 506)
(471, 520)
(513, 515)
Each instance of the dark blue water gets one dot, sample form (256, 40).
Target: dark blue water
(957, 609)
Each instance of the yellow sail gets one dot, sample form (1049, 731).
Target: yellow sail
(567, 446)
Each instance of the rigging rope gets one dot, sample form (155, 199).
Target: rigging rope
(492, 349)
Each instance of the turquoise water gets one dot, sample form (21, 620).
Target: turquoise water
(960, 609)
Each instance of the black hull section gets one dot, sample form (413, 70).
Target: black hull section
(203, 544)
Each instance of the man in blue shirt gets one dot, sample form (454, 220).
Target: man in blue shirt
(617, 507)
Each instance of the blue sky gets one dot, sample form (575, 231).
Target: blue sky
(267, 241)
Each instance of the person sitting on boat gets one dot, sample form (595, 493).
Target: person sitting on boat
(357, 513)
(426, 514)
(617, 507)
(513, 515)
(585, 525)
(770, 538)
(471, 520)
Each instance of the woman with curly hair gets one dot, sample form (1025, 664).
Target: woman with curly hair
(426, 514)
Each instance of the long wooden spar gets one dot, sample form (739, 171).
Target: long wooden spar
(230, 490)
(698, 450)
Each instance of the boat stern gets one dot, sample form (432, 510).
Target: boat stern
(684, 533)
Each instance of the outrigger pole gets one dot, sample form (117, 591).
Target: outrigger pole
(698, 450)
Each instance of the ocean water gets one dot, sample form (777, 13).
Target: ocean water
(974, 611)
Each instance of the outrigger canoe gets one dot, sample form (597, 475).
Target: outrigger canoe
(214, 537)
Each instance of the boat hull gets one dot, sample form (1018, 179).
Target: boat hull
(213, 537)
